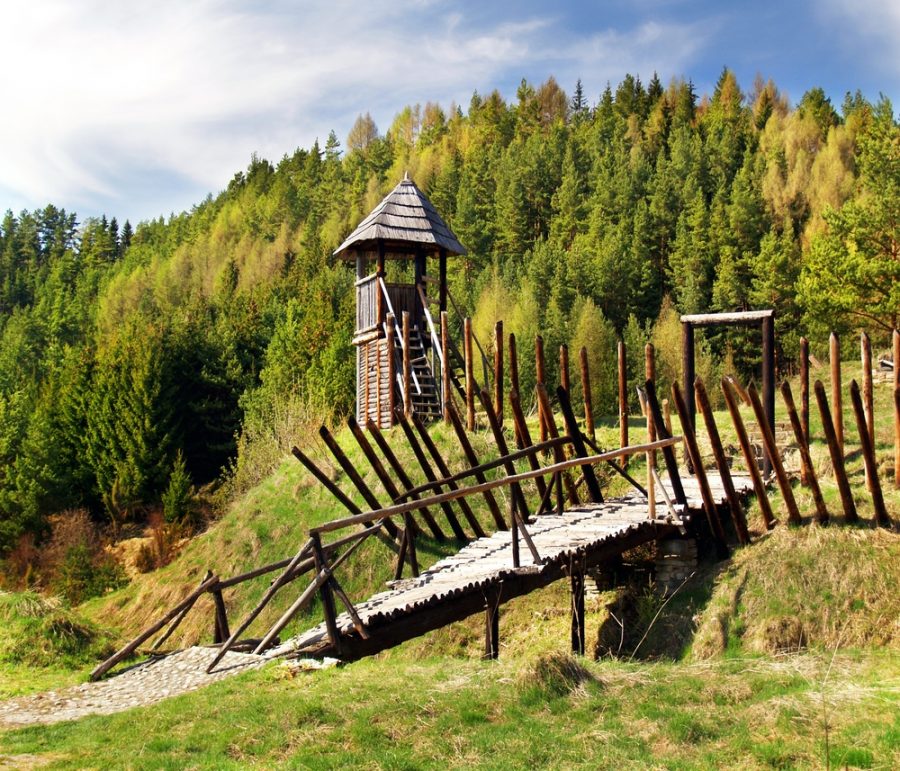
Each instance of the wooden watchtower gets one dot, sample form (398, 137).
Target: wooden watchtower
(398, 359)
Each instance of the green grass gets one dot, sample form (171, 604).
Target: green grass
(532, 712)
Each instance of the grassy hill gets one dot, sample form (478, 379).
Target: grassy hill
(786, 655)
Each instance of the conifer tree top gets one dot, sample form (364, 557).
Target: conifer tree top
(404, 222)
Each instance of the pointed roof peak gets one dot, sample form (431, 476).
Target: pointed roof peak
(404, 219)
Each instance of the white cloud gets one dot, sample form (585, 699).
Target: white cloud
(94, 89)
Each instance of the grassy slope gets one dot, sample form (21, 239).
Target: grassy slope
(839, 584)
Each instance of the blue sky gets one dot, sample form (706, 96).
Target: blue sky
(138, 108)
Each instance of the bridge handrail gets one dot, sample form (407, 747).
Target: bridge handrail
(403, 508)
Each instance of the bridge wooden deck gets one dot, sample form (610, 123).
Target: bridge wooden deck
(481, 575)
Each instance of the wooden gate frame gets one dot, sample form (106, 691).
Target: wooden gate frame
(765, 320)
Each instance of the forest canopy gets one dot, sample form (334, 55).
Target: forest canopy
(200, 342)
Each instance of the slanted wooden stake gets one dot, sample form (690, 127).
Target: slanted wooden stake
(834, 352)
(564, 367)
(749, 457)
(553, 431)
(868, 453)
(590, 480)
(503, 449)
(811, 479)
(586, 392)
(444, 471)
(498, 371)
(664, 432)
(470, 375)
(837, 455)
(712, 430)
(541, 375)
(709, 504)
(774, 456)
(623, 400)
(523, 437)
(405, 481)
(472, 460)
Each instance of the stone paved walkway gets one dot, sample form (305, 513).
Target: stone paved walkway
(143, 684)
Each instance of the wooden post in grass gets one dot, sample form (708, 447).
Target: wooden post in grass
(787, 493)
(492, 627)
(749, 457)
(804, 403)
(470, 375)
(623, 399)
(564, 367)
(806, 459)
(712, 430)
(834, 353)
(541, 374)
(576, 581)
(586, 392)
(837, 455)
(868, 453)
(498, 371)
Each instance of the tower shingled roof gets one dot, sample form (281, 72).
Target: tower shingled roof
(404, 217)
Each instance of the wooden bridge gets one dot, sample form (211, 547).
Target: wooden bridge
(571, 530)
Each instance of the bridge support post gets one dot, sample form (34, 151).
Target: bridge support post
(492, 628)
(576, 578)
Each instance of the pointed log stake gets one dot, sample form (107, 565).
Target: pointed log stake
(541, 375)
(709, 503)
(868, 453)
(502, 448)
(558, 455)
(353, 475)
(405, 424)
(811, 479)
(759, 487)
(523, 437)
(590, 480)
(152, 630)
(284, 578)
(834, 351)
(837, 455)
(775, 457)
(403, 477)
(472, 460)
(445, 472)
(712, 430)
(586, 392)
(564, 367)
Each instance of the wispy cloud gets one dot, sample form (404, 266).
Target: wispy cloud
(97, 90)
